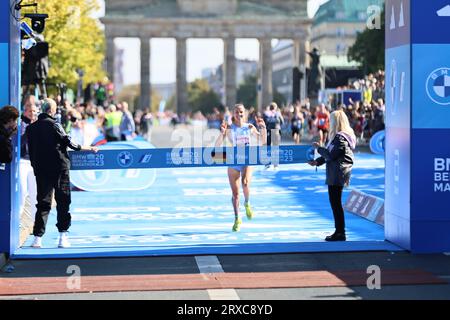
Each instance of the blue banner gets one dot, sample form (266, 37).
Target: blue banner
(188, 157)
(431, 22)
(398, 123)
(431, 74)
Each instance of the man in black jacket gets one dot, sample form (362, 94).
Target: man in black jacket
(47, 147)
(8, 126)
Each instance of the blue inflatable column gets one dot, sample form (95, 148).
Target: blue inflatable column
(10, 56)
(417, 208)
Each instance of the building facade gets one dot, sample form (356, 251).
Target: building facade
(215, 78)
(118, 69)
(283, 64)
(338, 22)
(223, 19)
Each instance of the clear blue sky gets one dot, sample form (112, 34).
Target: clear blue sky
(163, 54)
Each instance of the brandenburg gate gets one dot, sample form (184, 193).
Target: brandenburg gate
(225, 19)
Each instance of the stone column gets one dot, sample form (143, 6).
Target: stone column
(307, 62)
(265, 61)
(300, 61)
(182, 100)
(229, 72)
(145, 100)
(307, 49)
(299, 52)
(110, 55)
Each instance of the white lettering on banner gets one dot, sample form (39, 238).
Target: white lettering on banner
(397, 172)
(401, 18)
(441, 164)
(88, 160)
(442, 187)
(441, 175)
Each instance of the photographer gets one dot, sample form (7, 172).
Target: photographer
(8, 127)
(47, 145)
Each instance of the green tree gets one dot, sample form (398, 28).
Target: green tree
(201, 97)
(76, 40)
(155, 100)
(131, 94)
(369, 48)
(278, 98)
(171, 103)
(246, 93)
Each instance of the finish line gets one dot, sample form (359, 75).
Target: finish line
(189, 157)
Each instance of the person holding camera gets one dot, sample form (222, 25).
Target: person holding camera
(8, 127)
(47, 146)
(339, 159)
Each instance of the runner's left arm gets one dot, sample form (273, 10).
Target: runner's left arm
(262, 133)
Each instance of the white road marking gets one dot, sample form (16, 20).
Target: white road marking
(223, 294)
(210, 264)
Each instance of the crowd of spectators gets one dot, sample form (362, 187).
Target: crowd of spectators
(304, 119)
(300, 121)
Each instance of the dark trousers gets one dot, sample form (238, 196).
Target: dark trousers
(335, 195)
(60, 183)
(273, 137)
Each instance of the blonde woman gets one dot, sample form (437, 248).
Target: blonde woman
(239, 134)
(338, 156)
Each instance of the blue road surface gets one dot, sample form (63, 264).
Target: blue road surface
(188, 211)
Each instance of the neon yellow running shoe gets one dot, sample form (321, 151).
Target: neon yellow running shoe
(248, 211)
(237, 225)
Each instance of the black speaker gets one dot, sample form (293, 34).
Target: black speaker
(35, 64)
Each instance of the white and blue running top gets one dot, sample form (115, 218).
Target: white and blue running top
(240, 136)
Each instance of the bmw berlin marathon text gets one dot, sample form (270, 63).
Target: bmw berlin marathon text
(441, 175)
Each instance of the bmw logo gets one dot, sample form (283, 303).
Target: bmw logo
(438, 86)
(125, 159)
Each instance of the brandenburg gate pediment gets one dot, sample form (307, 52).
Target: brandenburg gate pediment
(224, 19)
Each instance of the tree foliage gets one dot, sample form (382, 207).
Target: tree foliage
(131, 94)
(201, 97)
(278, 98)
(246, 93)
(369, 48)
(76, 40)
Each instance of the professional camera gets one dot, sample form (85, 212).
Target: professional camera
(29, 38)
(37, 21)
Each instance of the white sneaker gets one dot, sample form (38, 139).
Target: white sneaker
(63, 240)
(37, 242)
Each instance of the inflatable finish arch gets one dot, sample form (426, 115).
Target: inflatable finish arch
(417, 200)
